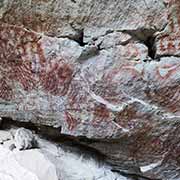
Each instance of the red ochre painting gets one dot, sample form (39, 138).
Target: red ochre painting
(23, 61)
(169, 40)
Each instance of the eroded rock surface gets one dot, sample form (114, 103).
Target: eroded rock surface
(105, 70)
(24, 139)
(51, 162)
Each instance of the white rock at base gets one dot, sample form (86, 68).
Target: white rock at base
(35, 161)
(4, 136)
(10, 168)
(50, 162)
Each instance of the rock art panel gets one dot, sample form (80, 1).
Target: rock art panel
(56, 77)
(83, 98)
(168, 41)
(31, 70)
(69, 65)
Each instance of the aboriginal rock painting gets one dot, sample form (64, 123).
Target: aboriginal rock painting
(6, 91)
(166, 93)
(156, 84)
(18, 50)
(100, 114)
(23, 62)
(134, 51)
(71, 121)
(169, 40)
(22, 59)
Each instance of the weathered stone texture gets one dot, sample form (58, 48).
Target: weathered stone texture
(49, 161)
(168, 41)
(98, 69)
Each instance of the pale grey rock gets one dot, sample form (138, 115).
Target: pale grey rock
(61, 47)
(9, 144)
(37, 163)
(73, 166)
(122, 15)
(51, 162)
(113, 39)
(5, 136)
(88, 52)
(24, 139)
(0, 121)
(10, 168)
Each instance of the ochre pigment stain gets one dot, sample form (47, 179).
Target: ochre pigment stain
(170, 40)
(18, 51)
(56, 77)
(23, 60)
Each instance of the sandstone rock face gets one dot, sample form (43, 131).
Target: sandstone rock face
(98, 69)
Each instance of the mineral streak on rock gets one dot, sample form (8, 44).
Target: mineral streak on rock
(56, 77)
(85, 100)
(24, 62)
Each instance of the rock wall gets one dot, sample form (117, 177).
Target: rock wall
(105, 70)
(48, 161)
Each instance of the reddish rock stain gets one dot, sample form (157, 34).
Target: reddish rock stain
(71, 121)
(6, 92)
(174, 29)
(56, 78)
(100, 114)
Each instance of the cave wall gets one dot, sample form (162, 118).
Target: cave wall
(106, 70)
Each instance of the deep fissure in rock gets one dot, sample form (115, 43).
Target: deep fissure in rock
(151, 48)
(46, 131)
(51, 133)
(145, 36)
(80, 38)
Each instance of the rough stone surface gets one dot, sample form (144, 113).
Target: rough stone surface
(24, 139)
(51, 162)
(105, 70)
(167, 41)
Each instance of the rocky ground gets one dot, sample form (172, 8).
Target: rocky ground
(47, 160)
